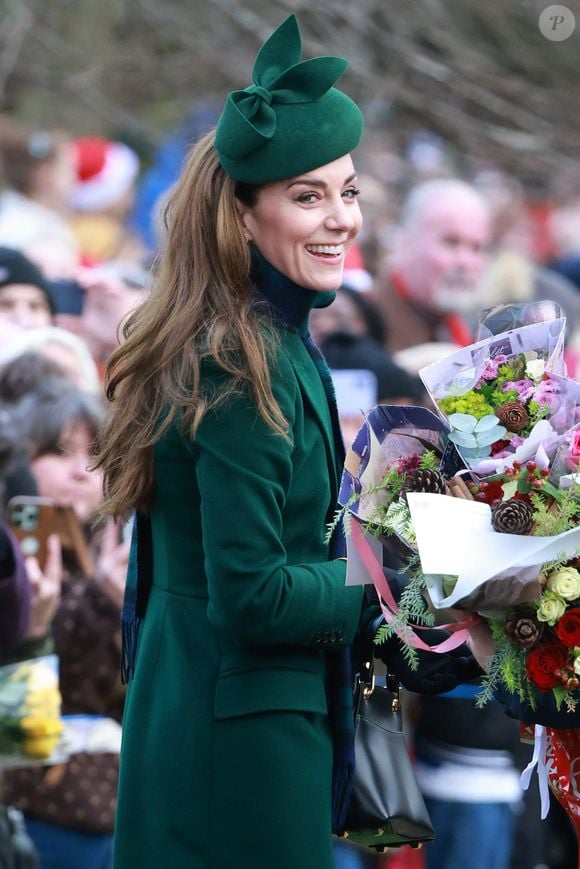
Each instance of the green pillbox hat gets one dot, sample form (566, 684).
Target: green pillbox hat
(291, 120)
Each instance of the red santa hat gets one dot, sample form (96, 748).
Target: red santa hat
(355, 273)
(106, 170)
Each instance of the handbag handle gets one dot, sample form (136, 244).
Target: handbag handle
(364, 687)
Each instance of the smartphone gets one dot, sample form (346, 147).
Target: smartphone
(32, 520)
(67, 296)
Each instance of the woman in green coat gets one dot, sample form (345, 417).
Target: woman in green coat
(223, 436)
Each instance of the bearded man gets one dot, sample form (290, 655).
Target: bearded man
(433, 283)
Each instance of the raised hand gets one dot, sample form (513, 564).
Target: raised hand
(46, 586)
(112, 563)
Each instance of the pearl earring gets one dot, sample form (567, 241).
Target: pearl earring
(247, 237)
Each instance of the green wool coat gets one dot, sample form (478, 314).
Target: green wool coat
(227, 754)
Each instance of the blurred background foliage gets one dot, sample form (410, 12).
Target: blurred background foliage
(479, 75)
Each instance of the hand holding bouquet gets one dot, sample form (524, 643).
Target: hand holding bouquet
(506, 548)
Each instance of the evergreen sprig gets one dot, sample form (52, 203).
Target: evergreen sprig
(429, 461)
(412, 611)
(507, 667)
(548, 523)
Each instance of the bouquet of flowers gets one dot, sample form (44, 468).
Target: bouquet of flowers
(518, 566)
(505, 396)
(507, 547)
(509, 552)
(397, 452)
(30, 723)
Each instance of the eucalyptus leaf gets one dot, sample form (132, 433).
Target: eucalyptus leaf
(462, 439)
(475, 452)
(487, 438)
(462, 421)
(486, 422)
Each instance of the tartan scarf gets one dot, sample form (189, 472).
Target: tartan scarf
(289, 306)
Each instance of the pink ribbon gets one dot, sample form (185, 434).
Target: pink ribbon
(459, 630)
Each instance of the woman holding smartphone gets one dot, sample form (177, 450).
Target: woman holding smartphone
(70, 807)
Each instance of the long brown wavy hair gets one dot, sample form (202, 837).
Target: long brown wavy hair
(199, 308)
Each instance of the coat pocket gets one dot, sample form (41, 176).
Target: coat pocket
(266, 689)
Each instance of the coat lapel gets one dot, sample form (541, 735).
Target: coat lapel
(315, 400)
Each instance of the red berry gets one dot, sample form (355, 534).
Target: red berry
(483, 486)
(531, 466)
(545, 472)
(517, 466)
(537, 484)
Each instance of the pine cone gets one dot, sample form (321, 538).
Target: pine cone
(423, 480)
(512, 517)
(523, 628)
(513, 415)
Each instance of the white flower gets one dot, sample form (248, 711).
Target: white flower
(577, 666)
(551, 609)
(535, 369)
(565, 582)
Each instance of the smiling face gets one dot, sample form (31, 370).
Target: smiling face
(304, 225)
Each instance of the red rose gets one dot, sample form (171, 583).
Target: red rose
(498, 446)
(542, 663)
(568, 628)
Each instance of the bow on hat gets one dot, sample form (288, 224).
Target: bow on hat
(249, 117)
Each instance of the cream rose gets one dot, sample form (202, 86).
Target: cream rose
(565, 582)
(535, 369)
(550, 610)
(577, 666)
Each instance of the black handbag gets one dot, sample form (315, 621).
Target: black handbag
(386, 809)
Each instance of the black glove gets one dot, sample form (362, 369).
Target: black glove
(436, 672)
(545, 712)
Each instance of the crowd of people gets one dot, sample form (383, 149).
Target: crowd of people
(80, 256)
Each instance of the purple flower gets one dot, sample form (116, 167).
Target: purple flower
(491, 368)
(547, 393)
(524, 389)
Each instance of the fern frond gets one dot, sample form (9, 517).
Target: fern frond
(429, 461)
(412, 611)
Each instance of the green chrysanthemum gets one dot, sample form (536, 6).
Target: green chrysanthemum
(472, 403)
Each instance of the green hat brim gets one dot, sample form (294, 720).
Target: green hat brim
(308, 135)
